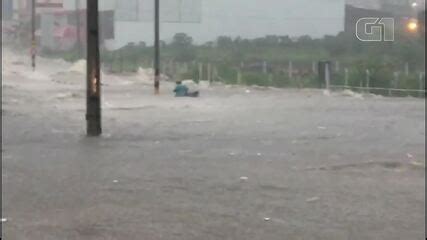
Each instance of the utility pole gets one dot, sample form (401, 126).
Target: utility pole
(156, 47)
(78, 29)
(33, 35)
(93, 97)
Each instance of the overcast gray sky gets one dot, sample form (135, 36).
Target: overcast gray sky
(245, 18)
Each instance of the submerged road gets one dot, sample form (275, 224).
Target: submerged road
(234, 164)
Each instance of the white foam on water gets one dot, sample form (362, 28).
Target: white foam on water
(79, 66)
(36, 75)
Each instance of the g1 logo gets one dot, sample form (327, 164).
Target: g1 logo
(375, 29)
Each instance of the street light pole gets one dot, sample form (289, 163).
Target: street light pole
(33, 34)
(156, 47)
(78, 29)
(93, 95)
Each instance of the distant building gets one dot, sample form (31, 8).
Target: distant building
(62, 25)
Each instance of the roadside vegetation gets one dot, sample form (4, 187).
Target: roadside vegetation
(280, 61)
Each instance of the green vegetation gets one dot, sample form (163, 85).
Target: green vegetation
(235, 60)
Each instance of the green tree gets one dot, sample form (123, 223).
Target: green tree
(182, 40)
(224, 42)
(182, 47)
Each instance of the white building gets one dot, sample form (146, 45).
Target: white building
(205, 20)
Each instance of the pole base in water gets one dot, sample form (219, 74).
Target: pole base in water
(93, 126)
(157, 84)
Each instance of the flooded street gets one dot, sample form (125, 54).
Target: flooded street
(237, 163)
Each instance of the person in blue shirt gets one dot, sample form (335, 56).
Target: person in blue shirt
(182, 91)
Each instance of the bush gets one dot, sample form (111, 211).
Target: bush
(252, 78)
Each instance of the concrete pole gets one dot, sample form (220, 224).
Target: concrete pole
(78, 29)
(270, 79)
(200, 71)
(368, 80)
(264, 67)
(393, 83)
(290, 70)
(396, 83)
(313, 67)
(33, 35)
(327, 76)
(122, 60)
(209, 73)
(346, 77)
(156, 47)
(215, 73)
(421, 80)
(407, 69)
(93, 109)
